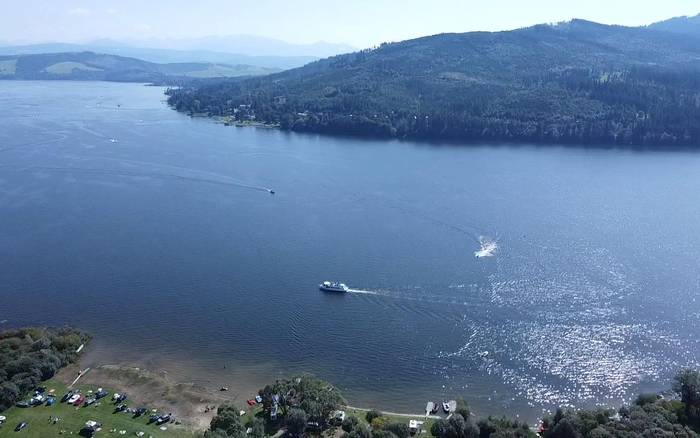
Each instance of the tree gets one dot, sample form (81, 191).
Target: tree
(565, 429)
(371, 415)
(349, 423)
(379, 423)
(687, 385)
(218, 433)
(463, 408)
(455, 427)
(296, 422)
(228, 419)
(398, 429)
(257, 426)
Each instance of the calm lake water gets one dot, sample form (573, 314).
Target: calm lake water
(156, 233)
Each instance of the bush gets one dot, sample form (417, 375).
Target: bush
(371, 415)
(349, 424)
(398, 429)
(645, 399)
(28, 356)
(296, 422)
(379, 423)
(228, 420)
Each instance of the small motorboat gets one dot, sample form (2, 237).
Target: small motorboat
(446, 407)
(67, 395)
(73, 398)
(328, 286)
(139, 412)
(101, 393)
(153, 418)
(436, 407)
(272, 192)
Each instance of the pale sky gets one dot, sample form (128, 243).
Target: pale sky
(360, 23)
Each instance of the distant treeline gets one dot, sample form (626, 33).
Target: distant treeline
(639, 106)
(307, 406)
(577, 82)
(31, 355)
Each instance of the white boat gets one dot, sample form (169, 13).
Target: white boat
(328, 286)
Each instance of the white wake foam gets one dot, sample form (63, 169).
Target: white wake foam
(488, 248)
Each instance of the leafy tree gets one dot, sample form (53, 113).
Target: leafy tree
(296, 422)
(454, 427)
(379, 423)
(383, 434)
(371, 415)
(218, 433)
(257, 426)
(398, 429)
(463, 408)
(349, 423)
(30, 355)
(565, 429)
(228, 420)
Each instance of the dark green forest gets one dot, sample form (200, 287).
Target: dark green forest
(305, 403)
(31, 355)
(576, 82)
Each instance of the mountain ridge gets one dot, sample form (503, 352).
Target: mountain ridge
(576, 81)
(107, 67)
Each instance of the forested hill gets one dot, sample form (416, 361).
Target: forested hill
(578, 82)
(104, 67)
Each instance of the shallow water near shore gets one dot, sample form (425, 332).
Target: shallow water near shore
(157, 233)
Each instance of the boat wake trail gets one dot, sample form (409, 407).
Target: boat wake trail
(192, 176)
(361, 291)
(488, 248)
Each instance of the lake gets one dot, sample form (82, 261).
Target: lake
(156, 232)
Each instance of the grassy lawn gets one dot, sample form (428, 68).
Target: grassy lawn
(73, 419)
(360, 414)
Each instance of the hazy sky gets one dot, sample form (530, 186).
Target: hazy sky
(361, 23)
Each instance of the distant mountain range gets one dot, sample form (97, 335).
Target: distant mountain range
(232, 50)
(249, 45)
(97, 66)
(163, 55)
(679, 25)
(576, 82)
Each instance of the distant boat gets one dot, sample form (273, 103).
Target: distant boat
(272, 192)
(328, 286)
(446, 407)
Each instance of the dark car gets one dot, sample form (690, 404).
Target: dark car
(21, 426)
(163, 419)
(140, 411)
